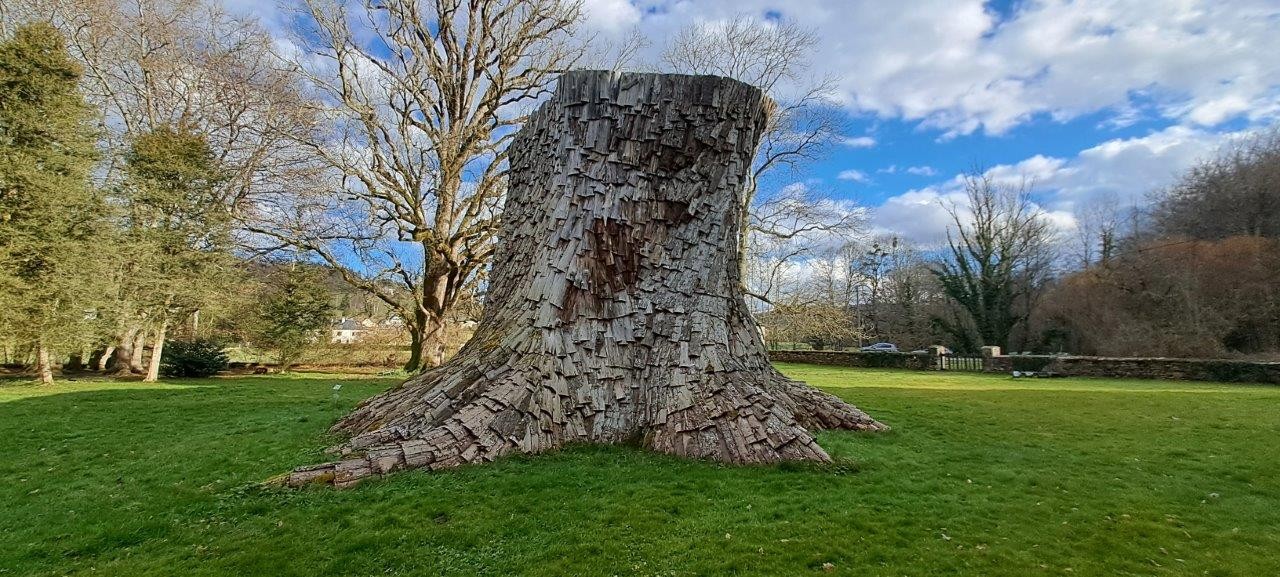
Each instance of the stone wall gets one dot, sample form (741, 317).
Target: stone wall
(1231, 371)
(918, 361)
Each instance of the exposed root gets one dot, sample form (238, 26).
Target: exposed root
(818, 410)
(723, 420)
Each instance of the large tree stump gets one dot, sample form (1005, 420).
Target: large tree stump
(614, 312)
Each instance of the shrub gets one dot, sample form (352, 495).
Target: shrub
(194, 358)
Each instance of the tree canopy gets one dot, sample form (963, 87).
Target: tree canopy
(50, 216)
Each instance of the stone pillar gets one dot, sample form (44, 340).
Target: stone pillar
(936, 353)
(989, 355)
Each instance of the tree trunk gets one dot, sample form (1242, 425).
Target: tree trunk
(44, 367)
(426, 343)
(137, 351)
(124, 352)
(75, 362)
(157, 350)
(414, 364)
(615, 312)
(433, 341)
(105, 358)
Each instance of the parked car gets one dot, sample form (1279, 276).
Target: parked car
(880, 348)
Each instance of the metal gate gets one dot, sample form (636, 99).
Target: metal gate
(950, 362)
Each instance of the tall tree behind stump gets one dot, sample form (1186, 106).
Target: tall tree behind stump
(615, 311)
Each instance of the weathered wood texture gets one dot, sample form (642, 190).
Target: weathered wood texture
(614, 312)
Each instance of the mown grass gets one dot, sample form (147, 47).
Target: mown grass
(982, 475)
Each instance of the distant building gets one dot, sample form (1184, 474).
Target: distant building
(346, 331)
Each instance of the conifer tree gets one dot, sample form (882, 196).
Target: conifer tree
(293, 314)
(176, 231)
(50, 215)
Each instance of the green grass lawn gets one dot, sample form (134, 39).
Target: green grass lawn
(982, 475)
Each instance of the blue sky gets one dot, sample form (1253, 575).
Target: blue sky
(908, 157)
(1095, 100)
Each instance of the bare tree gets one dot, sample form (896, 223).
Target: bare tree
(1181, 298)
(421, 99)
(911, 294)
(152, 64)
(1235, 193)
(761, 53)
(881, 287)
(788, 229)
(998, 257)
(805, 122)
(1098, 230)
(624, 54)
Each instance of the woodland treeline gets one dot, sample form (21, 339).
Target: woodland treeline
(170, 171)
(1194, 272)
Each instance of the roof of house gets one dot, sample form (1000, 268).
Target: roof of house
(347, 325)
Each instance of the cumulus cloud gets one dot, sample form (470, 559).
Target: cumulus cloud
(959, 67)
(858, 141)
(1128, 169)
(918, 215)
(923, 216)
(1124, 170)
(854, 176)
(610, 15)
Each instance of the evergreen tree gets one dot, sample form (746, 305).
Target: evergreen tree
(294, 313)
(176, 232)
(50, 215)
(999, 255)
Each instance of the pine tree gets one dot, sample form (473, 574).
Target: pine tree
(50, 215)
(294, 313)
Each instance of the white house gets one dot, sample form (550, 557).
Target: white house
(346, 331)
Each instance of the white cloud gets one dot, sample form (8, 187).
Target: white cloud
(1216, 111)
(858, 141)
(918, 215)
(610, 15)
(1128, 169)
(912, 170)
(923, 216)
(854, 176)
(1034, 171)
(957, 66)
(1125, 170)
